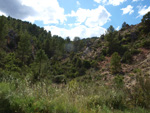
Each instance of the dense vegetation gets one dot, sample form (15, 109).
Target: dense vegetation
(48, 74)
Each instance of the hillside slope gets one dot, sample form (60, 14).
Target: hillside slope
(44, 73)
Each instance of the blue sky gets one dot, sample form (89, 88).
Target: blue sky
(83, 18)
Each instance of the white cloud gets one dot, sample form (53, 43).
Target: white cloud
(88, 23)
(110, 2)
(92, 18)
(78, 3)
(98, 1)
(143, 10)
(118, 28)
(48, 11)
(128, 9)
(81, 31)
(100, 17)
(116, 2)
(16, 9)
(135, 0)
(1, 13)
(81, 14)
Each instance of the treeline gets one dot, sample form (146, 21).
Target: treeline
(25, 46)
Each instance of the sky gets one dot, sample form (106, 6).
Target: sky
(76, 18)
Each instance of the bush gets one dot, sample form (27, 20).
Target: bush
(94, 64)
(140, 94)
(81, 71)
(104, 51)
(137, 45)
(102, 57)
(86, 64)
(115, 63)
(59, 79)
(108, 98)
(146, 44)
(4, 100)
(127, 57)
(146, 22)
(118, 80)
(135, 51)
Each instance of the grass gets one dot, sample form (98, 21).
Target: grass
(20, 96)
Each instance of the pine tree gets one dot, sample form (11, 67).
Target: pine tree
(3, 29)
(124, 25)
(146, 21)
(40, 58)
(115, 63)
(24, 47)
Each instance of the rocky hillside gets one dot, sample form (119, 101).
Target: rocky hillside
(49, 74)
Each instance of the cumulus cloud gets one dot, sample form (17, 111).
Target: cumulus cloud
(88, 21)
(99, 1)
(92, 18)
(143, 10)
(116, 2)
(128, 9)
(15, 9)
(110, 2)
(80, 14)
(48, 11)
(80, 31)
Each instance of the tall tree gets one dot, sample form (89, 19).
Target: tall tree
(40, 58)
(3, 29)
(67, 39)
(124, 25)
(48, 48)
(111, 29)
(24, 47)
(110, 34)
(11, 63)
(76, 42)
(146, 21)
(115, 63)
(111, 37)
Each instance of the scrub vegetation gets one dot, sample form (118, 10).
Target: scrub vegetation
(41, 73)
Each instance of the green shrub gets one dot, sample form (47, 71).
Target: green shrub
(5, 90)
(104, 51)
(115, 63)
(137, 70)
(61, 105)
(137, 45)
(135, 51)
(140, 94)
(108, 98)
(118, 80)
(94, 64)
(59, 79)
(86, 64)
(127, 57)
(102, 57)
(81, 71)
(22, 103)
(146, 44)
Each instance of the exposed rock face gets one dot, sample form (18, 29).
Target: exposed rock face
(11, 39)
